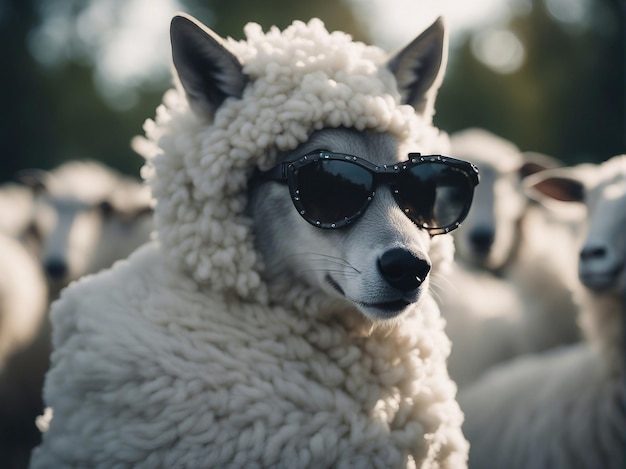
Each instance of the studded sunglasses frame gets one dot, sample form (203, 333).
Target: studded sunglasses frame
(382, 174)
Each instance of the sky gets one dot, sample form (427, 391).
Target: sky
(126, 45)
(394, 23)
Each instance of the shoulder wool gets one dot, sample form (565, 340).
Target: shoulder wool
(195, 380)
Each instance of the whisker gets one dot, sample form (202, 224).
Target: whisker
(437, 287)
(340, 272)
(336, 263)
(436, 295)
(326, 255)
(440, 282)
(325, 258)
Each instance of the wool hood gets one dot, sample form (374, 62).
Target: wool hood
(299, 80)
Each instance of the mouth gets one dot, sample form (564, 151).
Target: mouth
(602, 281)
(386, 310)
(382, 310)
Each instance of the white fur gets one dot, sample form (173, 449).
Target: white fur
(24, 349)
(190, 354)
(514, 297)
(565, 408)
(22, 296)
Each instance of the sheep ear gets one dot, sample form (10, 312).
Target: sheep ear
(535, 162)
(142, 212)
(207, 71)
(35, 179)
(419, 68)
(554, 186)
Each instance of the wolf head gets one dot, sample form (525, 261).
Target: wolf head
(245, 105)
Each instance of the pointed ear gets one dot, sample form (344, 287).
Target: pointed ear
(535, 162)
(207, 71)
(420, 66)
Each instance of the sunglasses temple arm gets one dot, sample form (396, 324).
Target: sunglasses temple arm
(277, 173)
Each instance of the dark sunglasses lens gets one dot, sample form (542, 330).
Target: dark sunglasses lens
(435, 195)
(333, 191)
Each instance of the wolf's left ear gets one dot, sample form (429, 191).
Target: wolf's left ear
(208, 72)
(420, 66)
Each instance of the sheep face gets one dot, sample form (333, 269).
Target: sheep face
(68, 232)
(85, 216)
(490, 234)
(602, 189)
(603, 255)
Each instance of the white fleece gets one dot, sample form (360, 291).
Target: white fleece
(558, 409)
(151, 371)
(561, 409)
(176, 357)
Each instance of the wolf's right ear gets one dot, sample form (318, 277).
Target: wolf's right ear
(208, 72)
(419, 68)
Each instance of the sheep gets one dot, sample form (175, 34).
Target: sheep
(566, 407)
(86, 216)
(79, 203)
(24, 350)
(214, 345)
(510, 291)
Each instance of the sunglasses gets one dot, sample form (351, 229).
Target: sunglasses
(332, 190)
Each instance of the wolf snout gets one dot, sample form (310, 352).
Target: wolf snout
(402, 269)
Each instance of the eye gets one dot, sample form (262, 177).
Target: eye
(33, 231)
(106, 208)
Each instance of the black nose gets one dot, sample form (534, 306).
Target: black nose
(402, 269)
(593, 252)
(482, 239)
(56, 268)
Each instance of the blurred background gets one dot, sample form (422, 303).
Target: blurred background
(81, 76)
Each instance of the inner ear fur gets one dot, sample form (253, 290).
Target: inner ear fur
(207, 71)
(420, 66)
(556, 187)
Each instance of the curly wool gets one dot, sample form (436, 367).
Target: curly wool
(199, 172)
(154, 367)
(201, 380)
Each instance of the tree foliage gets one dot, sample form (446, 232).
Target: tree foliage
(566, 100)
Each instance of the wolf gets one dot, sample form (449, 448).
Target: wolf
(283, 316)
(381, 267)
